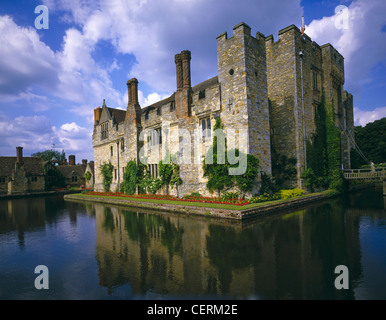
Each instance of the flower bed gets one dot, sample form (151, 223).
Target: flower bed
(237, 202)
(283, 194)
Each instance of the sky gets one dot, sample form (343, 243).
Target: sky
(51, 79)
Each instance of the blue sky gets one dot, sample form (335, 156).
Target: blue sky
(52, 79)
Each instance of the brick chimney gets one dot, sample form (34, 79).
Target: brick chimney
(178, 61)
(19, 154)
(71, 160)
(97, 115)
(133, 113)
(186, 57)
(183, 94)
(84, 162)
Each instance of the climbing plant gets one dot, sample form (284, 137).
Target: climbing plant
(132, 176)
(87, 176)
(217, 171)
(323, 151)
(107, 173)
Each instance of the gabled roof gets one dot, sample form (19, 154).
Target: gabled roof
(118, 115)
(90, 165)
(199, 87)
(72, 170)
(33, 166)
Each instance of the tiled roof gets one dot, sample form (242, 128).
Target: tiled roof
(69, 170)
(205, 84)
(33, 166)
(118, 114)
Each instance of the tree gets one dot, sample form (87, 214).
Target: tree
(246, 181)
(49, 154)
(371, 139)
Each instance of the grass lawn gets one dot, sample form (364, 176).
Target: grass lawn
(205, 204)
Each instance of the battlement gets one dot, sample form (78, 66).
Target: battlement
(241, 29)
(292, 29)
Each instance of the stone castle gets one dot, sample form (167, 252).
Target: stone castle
(266, 92)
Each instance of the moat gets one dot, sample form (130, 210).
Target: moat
(97, 251)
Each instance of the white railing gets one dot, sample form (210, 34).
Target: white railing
(365, 174)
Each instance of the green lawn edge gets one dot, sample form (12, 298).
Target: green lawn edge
(327, 193)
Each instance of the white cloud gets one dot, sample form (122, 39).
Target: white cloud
(25, 61)
(153, 31)
(150, 99)
(36, 133)
(363, 44)
(363, 117)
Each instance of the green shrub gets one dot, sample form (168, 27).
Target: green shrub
(337, 181)
(268, 184)
(291, 193)
(310, 179)
(230, 196)
(194, 194)
(265, 197)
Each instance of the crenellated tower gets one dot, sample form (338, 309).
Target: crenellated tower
(242, 73)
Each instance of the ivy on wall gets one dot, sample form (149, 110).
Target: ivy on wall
(217, 172)
(107, 173)
(324, 151)
(132, 177)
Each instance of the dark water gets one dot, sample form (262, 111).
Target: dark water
(103, 252)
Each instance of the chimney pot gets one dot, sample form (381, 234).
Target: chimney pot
(19, 154)
(178, 61)
(97, 115)
(186, 57)
(71, 160)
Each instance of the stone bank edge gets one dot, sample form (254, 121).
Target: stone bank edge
(223, 213)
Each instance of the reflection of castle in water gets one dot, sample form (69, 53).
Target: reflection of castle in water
(288, 256)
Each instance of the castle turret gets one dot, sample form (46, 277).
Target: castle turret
(242, 73)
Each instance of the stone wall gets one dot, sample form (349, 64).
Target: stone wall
(282, 89)
(266, 93)
(244, 96)
(102, 153)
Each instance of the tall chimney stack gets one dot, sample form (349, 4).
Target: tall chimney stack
(84, 162)
(186, 57)
(178, 61)
(133, 113)
(97, 115)
(19, 154)
(71, 160)
(128, 83)
(134, 90)
(183, 94)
